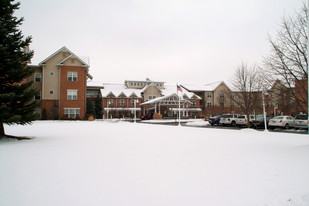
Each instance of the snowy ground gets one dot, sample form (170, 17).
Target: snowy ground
(127, 164)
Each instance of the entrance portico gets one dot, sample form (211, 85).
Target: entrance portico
(169, 106)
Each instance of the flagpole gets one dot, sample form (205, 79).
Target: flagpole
(178, 107)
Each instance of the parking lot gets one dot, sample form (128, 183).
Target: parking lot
(203, 124)
(291, 130)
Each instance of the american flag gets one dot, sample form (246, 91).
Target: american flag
(179, 88)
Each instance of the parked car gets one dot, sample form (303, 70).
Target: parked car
(301, 121)
(242, 120)
(147, 116)
(214, 120)
(259, 121)
(281, 121)
(229, 119)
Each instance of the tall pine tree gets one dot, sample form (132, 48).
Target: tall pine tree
(16, 95)
(98, 108)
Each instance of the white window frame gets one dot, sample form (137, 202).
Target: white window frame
(110, 102)
(36, 77)
(132, 102)
(194, 103)
(72, 112)
(72, 94)
(122, 102)
(72, 76)
(151, 97)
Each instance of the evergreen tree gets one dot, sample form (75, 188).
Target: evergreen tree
(90, 108)
(98, 108)
(16, 95)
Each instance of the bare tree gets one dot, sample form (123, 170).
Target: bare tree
(247, 85)
(288, 58)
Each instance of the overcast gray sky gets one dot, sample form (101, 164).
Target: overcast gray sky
(184, 41)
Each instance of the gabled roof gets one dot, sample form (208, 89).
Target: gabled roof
(205, 87)
(119, 89)
(73, 56)
(64, 49)
(150, 85)
(170, 89)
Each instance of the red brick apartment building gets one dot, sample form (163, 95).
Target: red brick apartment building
(61, 79)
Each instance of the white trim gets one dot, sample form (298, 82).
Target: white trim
(74, 56)
(121, 109)
(71, 91)
(186, 109)
(63, 49)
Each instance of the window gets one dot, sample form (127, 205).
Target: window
(194, 103)
(37, 77)
(151, 97)
(110, 102)
(72, 94)
(71, 112)
(92, 94)
(132, 102)
(72, 76)
(121, 102)
(51, 73)
(37, 97)
(208, 104)
(51, 92)
(208, 95)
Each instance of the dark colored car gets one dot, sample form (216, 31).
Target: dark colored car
(259, 121)
(214, 120)
(147, 116)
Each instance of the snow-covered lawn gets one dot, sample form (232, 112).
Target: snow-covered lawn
(126, 164)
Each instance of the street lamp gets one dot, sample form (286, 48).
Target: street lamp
(265, 120)
(108, 103)
(135, 101)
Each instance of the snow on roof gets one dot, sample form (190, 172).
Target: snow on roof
(170, 89)
(158, 99)
(147, 80)
(118, 89)
(205, 87)
(94, 84)
(149, 85)
(85, 59)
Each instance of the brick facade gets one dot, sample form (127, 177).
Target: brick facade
(79, 85)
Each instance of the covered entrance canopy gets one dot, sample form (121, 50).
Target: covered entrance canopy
(171, 103)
